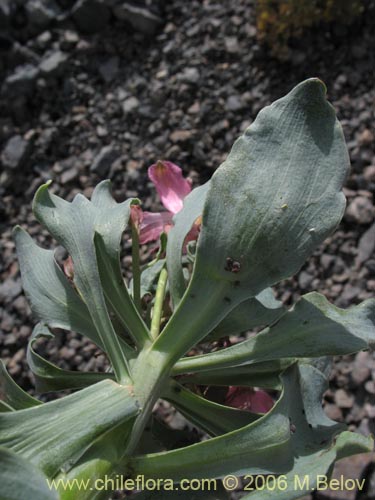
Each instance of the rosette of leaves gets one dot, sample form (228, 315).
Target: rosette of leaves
(267, 207)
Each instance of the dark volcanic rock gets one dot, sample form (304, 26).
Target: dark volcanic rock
(141, 18)
(104, 160)
(22, 81)
(91, 15)
(40, 13)
(4, 14)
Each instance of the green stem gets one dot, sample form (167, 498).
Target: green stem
(158, 306)
(136, 268)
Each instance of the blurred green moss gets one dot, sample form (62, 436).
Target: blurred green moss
(280, 20)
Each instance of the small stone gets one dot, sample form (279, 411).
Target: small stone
(21, 305)
(189, 75)
(91, 16)
(233, 103)
(366, 137)
(141, 18)
(44, 38)
(349, 293)
(104, 160)
(366, 246)
(194, 108)
(109, 69)
(130, 104)
(22, 81)
(327, 260)
(344, 399)
(369, 173)
(101, 131)
(360, 210)
(69, 175)
(231, 44)
(333, 412)
(54, 64)
(15, 152)
(41, 13)
(69, 40)
(304, 280)
(360, 371)
(9, 290)
(370, 386)
(180, 136)
(67, 353)
(4, 14)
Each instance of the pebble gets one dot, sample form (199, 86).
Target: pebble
(54, 64)
(130, 104)
(69, 175)
(104, 160)
(181, 136)
(15, 152)
(366, 246)
(140, 17)
(360, 371)
(361, 210)
(344, 399)
(91, 16)
(21, 81)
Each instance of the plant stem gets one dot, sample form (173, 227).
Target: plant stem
(136, 268)
(158, 306)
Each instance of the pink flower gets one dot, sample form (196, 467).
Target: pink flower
(246, 398)
(172, 189)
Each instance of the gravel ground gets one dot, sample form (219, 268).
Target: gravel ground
(87, 97)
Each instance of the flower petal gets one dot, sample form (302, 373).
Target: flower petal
(136, 215)
(249, 399)
(153, 224)
(170, 184)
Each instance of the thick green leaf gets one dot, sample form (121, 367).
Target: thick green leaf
(111, 221)
(12, 395)
(183, 222)
(51, 297)
(266, 375)
(311, 466)
(49, 377)
(211, 417)
(262, 310)
(99, 463)
(312, 461)
(20, 480)
(276, 197)
(312, 328)
(74, 226)
(262, 446)
(296, 427)
(4, 407)
(56, 434)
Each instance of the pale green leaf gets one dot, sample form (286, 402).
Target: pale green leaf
(213, 418)
(74, 226)
(262, 310)
(51, 297)
(56, 434)
(12, 395)
(20, 480)
(312, 328)
(49, 377)
(272, 202)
